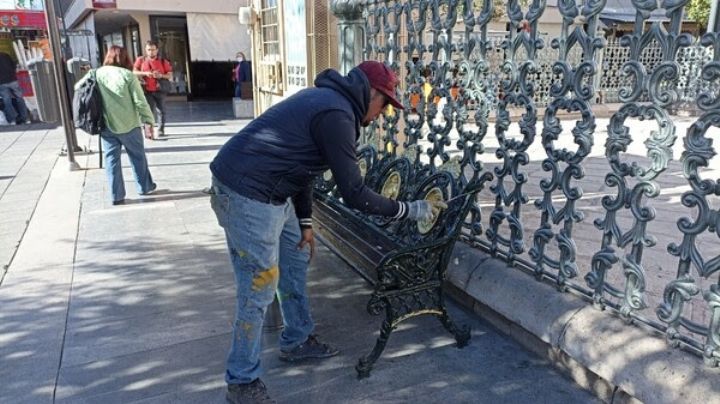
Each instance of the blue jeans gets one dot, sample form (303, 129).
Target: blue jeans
(112, 144)
(262, 241)
(8, 92)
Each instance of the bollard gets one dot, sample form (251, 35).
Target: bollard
(273, 317)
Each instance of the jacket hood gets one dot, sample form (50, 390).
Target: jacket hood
(354, 87)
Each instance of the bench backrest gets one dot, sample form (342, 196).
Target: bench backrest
(401, 178)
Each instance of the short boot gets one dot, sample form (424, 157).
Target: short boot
(252, 393)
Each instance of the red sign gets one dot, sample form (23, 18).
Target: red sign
(23, 19)
(104, 4)
(23, 78)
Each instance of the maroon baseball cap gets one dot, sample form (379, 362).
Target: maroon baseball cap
(382, 79)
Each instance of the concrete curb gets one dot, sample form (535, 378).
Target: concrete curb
(618, 362)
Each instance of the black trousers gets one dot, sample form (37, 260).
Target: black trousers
(156, 99)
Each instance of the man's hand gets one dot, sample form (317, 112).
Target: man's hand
(307, 238)
(149, 132)
(437, 206)
(423, 210)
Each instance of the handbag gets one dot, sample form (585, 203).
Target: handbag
(165, 85)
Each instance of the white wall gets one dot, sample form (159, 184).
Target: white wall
(216, 37)
(143, 20)
(189, 6)
(76, 10)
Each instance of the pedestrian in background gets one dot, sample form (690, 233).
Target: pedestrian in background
(155, 73)
(14, 106)
(262, 197)
(242, 72)
(124, 110)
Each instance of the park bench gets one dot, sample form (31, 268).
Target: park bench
(403, 260)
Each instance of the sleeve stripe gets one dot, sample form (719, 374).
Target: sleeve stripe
(401, 211)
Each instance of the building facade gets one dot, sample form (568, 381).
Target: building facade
(200, 39)
(292, 41)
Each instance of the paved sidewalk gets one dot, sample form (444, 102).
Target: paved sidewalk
(27, 155)
(134, 303)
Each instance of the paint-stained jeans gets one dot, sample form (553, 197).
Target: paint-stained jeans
(262, 241)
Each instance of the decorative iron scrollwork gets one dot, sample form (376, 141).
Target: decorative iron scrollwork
(456, 75)
(657, 86)
(697, 155)
(572, 95)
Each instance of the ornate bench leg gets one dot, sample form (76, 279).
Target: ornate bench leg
(365, 364)
(462, 334)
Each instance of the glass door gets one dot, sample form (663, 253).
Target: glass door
(171, 34)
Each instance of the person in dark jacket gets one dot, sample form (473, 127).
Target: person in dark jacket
(15, 110)
(241, 72)
(261, 195)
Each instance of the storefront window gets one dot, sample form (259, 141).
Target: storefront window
(295, 44)
(270, 34)
(270, 68)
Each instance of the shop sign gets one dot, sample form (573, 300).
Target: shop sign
(22, 19)
(104, 4)
(21, 5)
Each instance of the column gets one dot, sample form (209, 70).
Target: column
(351, 33)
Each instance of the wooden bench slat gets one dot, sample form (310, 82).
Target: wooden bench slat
(334, 234)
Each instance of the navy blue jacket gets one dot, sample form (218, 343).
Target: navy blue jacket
(278, 155)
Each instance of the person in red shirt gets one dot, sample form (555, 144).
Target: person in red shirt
(151, 69)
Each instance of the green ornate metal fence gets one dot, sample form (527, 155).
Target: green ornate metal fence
(602, 208)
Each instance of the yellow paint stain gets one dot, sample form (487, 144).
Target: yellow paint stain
(246, 328)
(264, 278)
(241, 253)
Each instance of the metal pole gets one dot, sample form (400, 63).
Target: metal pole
(67, 51)
(65, 113)
(714, 17)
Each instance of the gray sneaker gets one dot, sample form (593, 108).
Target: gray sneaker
(311, 348)
(254, 392)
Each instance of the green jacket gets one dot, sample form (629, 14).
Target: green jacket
(124, 103)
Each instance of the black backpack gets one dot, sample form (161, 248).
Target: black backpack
(87, 106)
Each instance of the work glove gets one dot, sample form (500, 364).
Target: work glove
(423, 210)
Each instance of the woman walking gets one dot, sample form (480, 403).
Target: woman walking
(124, 110)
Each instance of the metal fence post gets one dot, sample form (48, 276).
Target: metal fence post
(351, 33)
